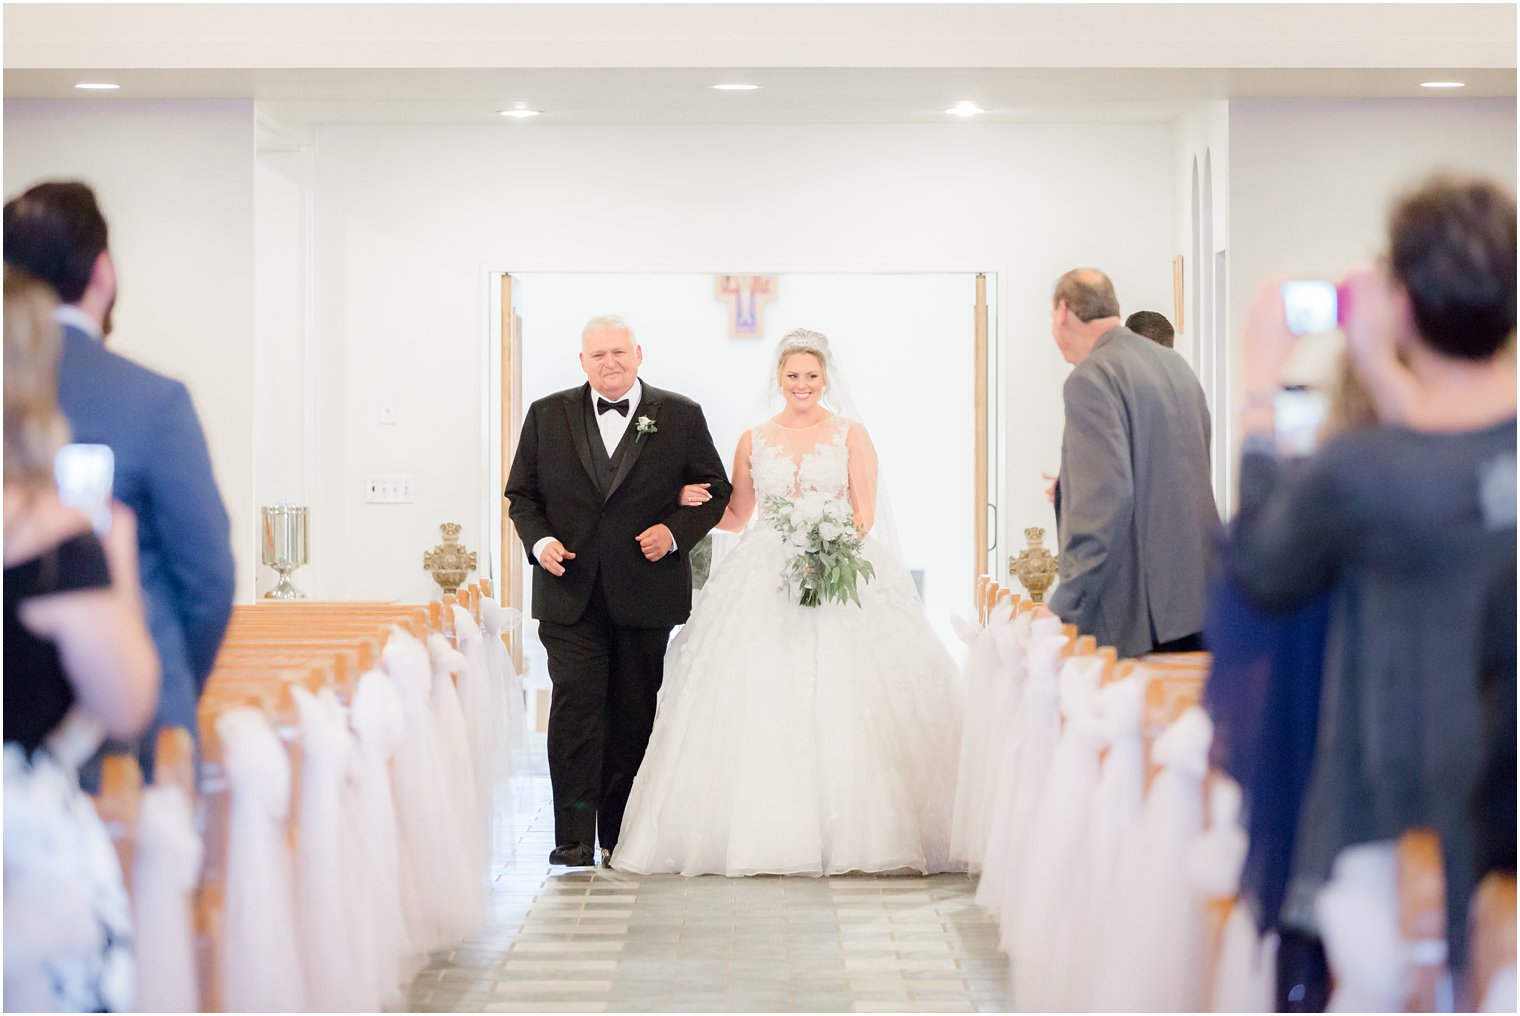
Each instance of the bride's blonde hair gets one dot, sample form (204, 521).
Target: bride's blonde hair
(804, 340)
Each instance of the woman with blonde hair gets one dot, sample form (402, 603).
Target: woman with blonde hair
(76, 650)
(802, 729)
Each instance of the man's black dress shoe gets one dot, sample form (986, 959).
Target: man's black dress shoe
(574, 855)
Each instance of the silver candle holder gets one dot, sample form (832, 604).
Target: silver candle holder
(284, 547)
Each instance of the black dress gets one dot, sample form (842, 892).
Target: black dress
(37, 695)
(63, 883)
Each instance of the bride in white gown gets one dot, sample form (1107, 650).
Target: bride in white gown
(799, 740)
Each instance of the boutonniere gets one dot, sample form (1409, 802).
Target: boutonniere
(645, 427)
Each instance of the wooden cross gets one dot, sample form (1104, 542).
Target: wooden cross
(746, 296)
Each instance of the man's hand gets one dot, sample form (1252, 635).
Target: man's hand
(656, 541)
(553, 558)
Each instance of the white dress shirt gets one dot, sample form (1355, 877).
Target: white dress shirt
(68, 314)
(613, 426)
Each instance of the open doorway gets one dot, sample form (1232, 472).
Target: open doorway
(916, 348)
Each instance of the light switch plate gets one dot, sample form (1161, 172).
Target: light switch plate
(389, 489)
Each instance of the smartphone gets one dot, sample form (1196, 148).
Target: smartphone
(1300, 412)
(84, 474)
(1311, 306)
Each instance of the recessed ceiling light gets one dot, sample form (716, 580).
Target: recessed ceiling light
(97, 86)
(1443, 84)
(736, 87)
(965, 108)
(520, 114)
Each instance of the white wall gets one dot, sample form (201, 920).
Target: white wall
(411, 220)
(175, 182)
(1311, 183)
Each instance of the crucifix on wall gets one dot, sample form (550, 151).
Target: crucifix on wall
(746, 296)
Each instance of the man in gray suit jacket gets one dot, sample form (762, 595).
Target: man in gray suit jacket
(1137, 514)
(163, 469)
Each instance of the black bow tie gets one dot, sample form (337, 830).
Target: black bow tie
(602, 405)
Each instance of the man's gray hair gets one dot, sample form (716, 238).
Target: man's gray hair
(1087, 293)
(608, 323)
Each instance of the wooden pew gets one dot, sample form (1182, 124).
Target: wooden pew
(270, 648)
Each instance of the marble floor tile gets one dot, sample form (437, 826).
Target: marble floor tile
(597, 940)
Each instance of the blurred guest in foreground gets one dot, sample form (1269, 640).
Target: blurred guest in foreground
(55, 231)
(1263, 695)
(76, 646)
(1404, 524)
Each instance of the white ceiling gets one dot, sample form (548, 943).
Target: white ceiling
(308, 64)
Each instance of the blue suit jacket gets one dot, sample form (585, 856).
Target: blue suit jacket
(163, 473)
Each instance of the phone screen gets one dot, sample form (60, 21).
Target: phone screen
(1310, 306)
(84, 474)
(1299, 414)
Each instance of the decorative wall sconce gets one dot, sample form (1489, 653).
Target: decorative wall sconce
(284, 547)
(1035, 566)
(449, 562)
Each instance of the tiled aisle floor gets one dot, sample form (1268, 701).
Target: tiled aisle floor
(594, 940)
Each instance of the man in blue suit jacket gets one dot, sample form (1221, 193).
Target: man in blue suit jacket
(163, 470)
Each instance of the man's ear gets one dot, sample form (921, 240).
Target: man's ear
(103, 274)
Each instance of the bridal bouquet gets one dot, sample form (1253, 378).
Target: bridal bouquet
(824, 560)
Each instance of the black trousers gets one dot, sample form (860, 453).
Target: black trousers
(1187, 644)
(606, 683)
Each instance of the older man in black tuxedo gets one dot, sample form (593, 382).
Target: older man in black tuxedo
(594, 491)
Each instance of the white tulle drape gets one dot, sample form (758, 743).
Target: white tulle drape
(987, 684)
(1039, 728)
(463, 860)
(166, 870)
(481, 698)
(418, 771)
(1159, 911)
(1117, 805)
(506, 686)
(1358, 912)
(331, 977)
(261, 966)
(379, 724)
(1013, 653)
(1050, 933)
(389, 857)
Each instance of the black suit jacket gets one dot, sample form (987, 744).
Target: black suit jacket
(553, 491)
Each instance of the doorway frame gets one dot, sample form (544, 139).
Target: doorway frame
(988, 394)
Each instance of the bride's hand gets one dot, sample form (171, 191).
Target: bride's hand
(694, 494)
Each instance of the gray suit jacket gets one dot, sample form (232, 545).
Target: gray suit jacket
(1138, 519)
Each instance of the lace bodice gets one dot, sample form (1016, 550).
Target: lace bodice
(787, 462)
(834, 456)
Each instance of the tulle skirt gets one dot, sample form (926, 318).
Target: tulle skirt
(798, 740)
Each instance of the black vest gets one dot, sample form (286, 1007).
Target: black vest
(606, 466)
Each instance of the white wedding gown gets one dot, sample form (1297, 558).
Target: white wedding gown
(799, 740)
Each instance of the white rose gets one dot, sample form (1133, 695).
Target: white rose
(828, 531)
(812, 511)
(799, 539)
